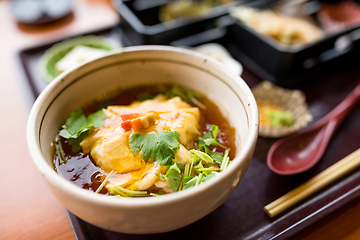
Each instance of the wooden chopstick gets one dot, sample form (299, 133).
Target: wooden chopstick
(329, 175)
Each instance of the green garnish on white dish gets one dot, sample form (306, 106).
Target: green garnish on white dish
(70, 52)
(78, 55)
(277, 118)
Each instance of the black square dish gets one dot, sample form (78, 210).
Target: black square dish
(141, 23)
(282, 64)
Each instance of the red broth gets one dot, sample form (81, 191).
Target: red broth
(81, 169)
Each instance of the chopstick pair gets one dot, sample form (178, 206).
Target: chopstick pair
(329, 175)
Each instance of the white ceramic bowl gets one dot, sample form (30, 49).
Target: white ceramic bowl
(136, 66)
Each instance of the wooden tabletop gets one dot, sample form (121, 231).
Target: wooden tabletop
(28, 210)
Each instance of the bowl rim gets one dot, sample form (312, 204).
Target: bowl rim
(64, 185)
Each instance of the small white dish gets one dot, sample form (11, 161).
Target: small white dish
(220, 53)
(290, 100)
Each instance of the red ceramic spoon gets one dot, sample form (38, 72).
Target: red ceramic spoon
(300, 151)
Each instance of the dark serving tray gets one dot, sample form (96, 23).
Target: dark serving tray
(241, 216)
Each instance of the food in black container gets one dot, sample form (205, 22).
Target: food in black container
(288, 65)
(143, 22)
(287, 30)
(337, 16)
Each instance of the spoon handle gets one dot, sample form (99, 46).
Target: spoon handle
(341, 110)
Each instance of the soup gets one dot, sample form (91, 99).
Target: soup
(146, 141)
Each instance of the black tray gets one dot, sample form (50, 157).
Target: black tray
(241, 216)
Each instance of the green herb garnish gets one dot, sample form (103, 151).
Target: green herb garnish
(186, 94)
(129, 193)
(209, 139)
(226, 160)
(199, 165)
(78, 125)
(190, 181)
(162, 177)
(145, 96)
(277, 118)
(209, 169)
(174, 176)
(104, 182)
(60, 153)
(216, 156)
(160, 146)
(201, 155)
(196, 180)
(156, 195)
(207, 177)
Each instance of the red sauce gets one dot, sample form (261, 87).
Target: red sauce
(81, 169)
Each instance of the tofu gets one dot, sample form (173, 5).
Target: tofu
(130, 179)
(77, 55)
(173, 114)
(109, 144)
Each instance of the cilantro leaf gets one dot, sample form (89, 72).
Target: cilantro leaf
(202, 144)
(145, 96)
(174, 176)
(194, 180)
(190, 181)
(217, 157)
(209, 139)
(96, 119)
(205, 178)
(77, 126)
(159, 146)
(75, 142)
(214, 130)
(74, 123)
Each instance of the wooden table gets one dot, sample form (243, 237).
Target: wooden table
(28, 210)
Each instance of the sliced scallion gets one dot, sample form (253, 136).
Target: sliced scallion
(199, 179)
(62, 152)
(209, 169)
(203, 156)
(225, 159)
(129, 193)
(104, 182)
(61, 161)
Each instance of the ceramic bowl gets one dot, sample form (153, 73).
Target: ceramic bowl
(136, 66)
